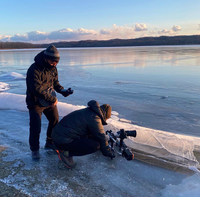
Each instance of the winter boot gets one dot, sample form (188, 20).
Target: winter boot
(35, 155)
(66, 159)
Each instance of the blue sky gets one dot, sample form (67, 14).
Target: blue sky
(45, 21)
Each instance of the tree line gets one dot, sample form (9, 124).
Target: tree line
(16, 45)
(145, 41)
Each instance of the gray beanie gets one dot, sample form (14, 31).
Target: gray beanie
(51, 53)
(106, 111)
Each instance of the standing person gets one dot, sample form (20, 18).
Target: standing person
(42, 82)
(81, 132)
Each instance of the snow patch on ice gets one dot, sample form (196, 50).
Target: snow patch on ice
(4, 86)
(193, 168)
(114, 113)
(188, 187)
(125, 120)
(11, 76)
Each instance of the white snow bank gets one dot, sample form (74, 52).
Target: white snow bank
(16, 75)
(17, 102)
(11, 76)
(4, 86)
(169, 146)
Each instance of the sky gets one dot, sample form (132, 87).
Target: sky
(46, 21)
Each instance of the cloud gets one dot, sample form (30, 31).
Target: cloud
(174, 31)
(4, 38)
(152, 32)
(31, 36)
(166, 32)
(120, 32)
(19, 38)
(199, 27)
(140, 27)
(105, 32)
(82, 31)
(114, 32)
(63, 34)
(176, 28)
(68, 34)
(37, 35)
(123, 32)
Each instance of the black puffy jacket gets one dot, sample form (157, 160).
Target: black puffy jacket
(81, 124)
(40, 77)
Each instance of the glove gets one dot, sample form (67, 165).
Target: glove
(108, 152)
(67, 92)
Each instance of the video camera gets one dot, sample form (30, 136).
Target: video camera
(118, 145)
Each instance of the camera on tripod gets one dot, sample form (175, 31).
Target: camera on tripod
(118, 145)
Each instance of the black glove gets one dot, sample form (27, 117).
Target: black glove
(108, 152)
(67, 92)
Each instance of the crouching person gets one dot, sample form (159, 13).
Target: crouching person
(81, 132)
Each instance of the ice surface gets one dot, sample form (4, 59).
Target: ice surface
(154, 87)
(158, 143)
(95, 175)
(188, 187)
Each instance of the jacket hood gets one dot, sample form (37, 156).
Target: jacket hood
(39, 59)
(95, 107)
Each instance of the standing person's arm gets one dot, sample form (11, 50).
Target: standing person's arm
(56, 84)
(60, 89)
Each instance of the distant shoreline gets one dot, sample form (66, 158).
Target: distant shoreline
(145, 41)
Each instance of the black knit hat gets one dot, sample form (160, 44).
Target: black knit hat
(106, 111)
(51, 53)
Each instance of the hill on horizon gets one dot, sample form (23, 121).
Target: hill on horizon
(144, 41)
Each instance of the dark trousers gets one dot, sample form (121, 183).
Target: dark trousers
(79, 147)
(35, 114)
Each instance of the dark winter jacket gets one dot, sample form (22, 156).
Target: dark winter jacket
(41, 77)
(83, 123)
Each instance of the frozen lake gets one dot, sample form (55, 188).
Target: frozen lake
(154, 87)
(155, 90)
